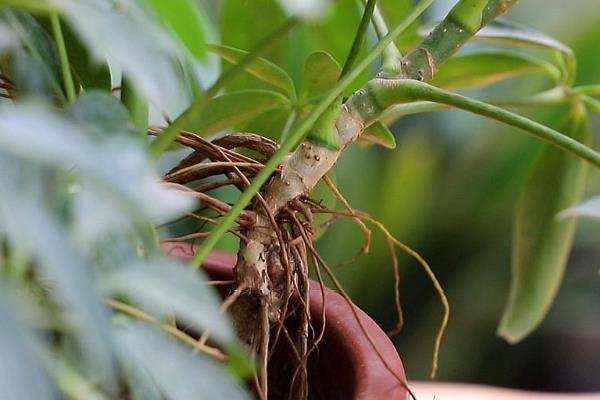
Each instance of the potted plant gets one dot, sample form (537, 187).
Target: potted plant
(256, 183)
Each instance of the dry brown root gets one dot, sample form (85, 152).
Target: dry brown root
(271, 276)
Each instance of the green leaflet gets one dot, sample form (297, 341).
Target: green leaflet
(233, 108)
(186, 20)
(484, 67)
(261, 68)
(379, 133)
(541, 242)
(321, 72)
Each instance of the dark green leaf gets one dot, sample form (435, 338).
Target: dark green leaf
(321, 72)
(379, 133)
(233, 108)
(186, 19)
(243, 24)
(479, 68)
(90, 73)
(541, 242)
(260, 68)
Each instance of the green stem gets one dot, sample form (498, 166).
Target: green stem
(33, 6)
(386, 93)
(65, 66)
(162, 142)
(359, 38)
(137, 107)
(391, 55)
(461, 24)
(298, 133)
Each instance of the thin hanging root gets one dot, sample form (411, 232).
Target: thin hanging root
(426, 268)
(368, 233)
(367, 245)
(263, 349)
(307, 240)
(346, 297)
(172, 330)
(399, 312)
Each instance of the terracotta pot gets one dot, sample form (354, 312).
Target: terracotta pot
(346, 367)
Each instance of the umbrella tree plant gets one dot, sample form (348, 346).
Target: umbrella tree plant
(286, 139)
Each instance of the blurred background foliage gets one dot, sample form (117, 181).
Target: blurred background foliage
(449, 190)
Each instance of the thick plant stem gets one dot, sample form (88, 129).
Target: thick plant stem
(298, 134)
(462, 23)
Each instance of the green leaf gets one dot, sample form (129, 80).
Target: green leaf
(261, 68)
(186, 19)
(321, 72)
(507, 32)
(379, 133)
(195, 376)
(243, 24)
(541, 242)
(101, 114)
(128, 37)
(163, 286)
(23, 372)
(233, 108)
(480, 68)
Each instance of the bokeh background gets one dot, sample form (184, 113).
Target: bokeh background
(449, 191)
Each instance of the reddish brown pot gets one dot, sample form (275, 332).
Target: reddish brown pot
(347, 367)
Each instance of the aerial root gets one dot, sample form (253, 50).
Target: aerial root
(438, 287)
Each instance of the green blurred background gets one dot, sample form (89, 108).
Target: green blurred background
(448, 191)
